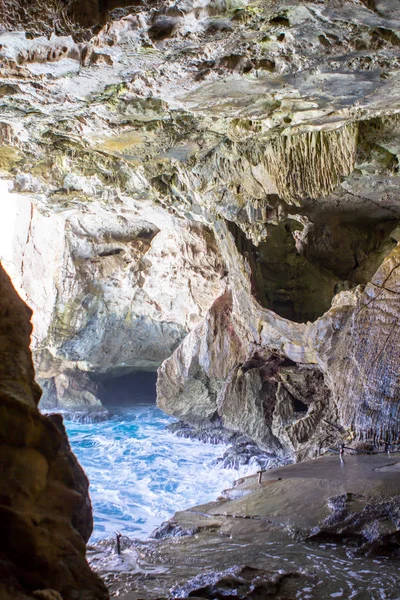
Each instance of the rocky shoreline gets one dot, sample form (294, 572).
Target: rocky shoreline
(242, 450)
(282, 538)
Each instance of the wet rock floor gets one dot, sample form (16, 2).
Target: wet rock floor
(322, 529)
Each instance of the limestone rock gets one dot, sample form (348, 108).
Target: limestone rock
(189, 382)
(119, 294)
(308, 404)
(179, 154)
(45, 514)
(73, 393)
(258, 534)
(210, 185)
(285, 407)
(361, 357)
(245, 582)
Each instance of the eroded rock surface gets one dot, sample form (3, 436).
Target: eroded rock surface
(300, 386)
(45, 512)
(317, 529)
(110, 293)
(364, 351)
(253, 148)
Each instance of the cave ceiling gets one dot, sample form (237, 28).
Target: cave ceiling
(246, 111)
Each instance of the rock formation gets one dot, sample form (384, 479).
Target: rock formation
(293, 387)
(45, 512)
(207, 188)
(119, 292)
(240, 159)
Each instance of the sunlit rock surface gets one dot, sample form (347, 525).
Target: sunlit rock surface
(45, 511)
(110, 292)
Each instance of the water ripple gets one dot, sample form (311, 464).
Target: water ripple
(141, 474)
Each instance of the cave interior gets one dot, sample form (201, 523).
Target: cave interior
(137, 387)
(298, 269)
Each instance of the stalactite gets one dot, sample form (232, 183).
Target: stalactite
(311, 164)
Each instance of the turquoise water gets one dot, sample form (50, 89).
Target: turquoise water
(140, 474)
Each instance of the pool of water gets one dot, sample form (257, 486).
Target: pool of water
(140, 474)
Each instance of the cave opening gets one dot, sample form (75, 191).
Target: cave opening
(128, 389)
(140, 473)
(282, 279)
(299, 267)
(298, 405)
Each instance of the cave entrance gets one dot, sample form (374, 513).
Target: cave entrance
(125, 390)
(140, 473)
(297, 270)
(282, 279)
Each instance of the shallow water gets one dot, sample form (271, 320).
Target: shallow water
(140, 474)
(182, 565)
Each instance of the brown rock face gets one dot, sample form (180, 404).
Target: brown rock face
(16, 369)
(45, 513)
(72, 472)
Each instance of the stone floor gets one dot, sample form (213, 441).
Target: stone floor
(295, 526)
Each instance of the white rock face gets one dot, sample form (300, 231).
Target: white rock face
(32, 250)
(111, 292)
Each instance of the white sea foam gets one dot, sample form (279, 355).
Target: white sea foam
(141, 474)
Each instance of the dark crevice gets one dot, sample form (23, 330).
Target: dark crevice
(298, 269)
(132, 388)
(280, 20)
(111, 252)
(298, 405)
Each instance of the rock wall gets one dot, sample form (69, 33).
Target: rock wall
(189, 382)
(45, 512)
(243, 157)
(361, 357)
(111, 293)
(294, 388)
(214, 185)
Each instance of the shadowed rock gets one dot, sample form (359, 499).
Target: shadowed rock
(45, 513)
